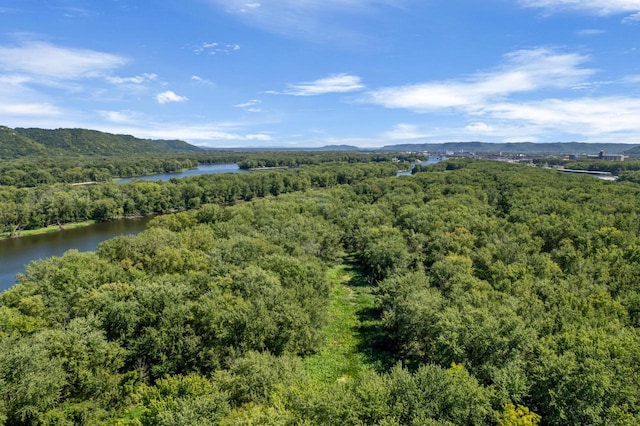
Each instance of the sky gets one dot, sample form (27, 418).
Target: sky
(309, 73)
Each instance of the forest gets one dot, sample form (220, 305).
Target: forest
(469, 293)
(33, 171)
(60, 204)
(19, 142)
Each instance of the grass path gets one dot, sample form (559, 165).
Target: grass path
(347, 350)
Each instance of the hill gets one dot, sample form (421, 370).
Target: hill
(21, 142)
(337, 148)
(14, 145)
(517, 147)
(633, 152)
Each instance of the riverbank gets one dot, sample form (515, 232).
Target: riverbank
(259, 169)
(15, 253)
(66, 226)
(46, 230)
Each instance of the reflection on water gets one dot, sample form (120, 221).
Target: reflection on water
(203, 169)
(18, 252)
(15, 253)
(431, 160)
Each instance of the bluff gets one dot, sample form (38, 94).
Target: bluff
(23, 142)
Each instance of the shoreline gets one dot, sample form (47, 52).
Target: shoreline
(257, 169)
(47, 230)
(60, 228)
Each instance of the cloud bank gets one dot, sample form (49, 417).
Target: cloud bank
(524, 71)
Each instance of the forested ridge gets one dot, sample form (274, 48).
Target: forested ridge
(19, 142)
(470, 293)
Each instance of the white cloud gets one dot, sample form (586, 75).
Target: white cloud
(601, 7)
(525, 71)
(493, 106)
(170, 96)
(13, 80)
(214, 48)
(257, 137)
(587, 119)
(597, 7)
(405, 131)
(138, 79)
(201, 80)
(121, 116)
(17, 99)
(29, 109)
(590, 32)
(632, 79)
(309, 19)
(76, 12)
(603, 117)
(191, 133)
(60, 63)
(335, 83)
(250, 106)
(632, 18)
(296, 8)
(249, 6)
(247, 104)
(479, 127)
(144, 126)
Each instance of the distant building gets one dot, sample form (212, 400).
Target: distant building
(607, 157)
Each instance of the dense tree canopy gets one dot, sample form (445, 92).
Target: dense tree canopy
(501, 294)
(19, 142)
(59, 204)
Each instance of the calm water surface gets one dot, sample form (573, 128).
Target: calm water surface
(18, 252)
(15, 253)
(431, 160)
(202, 169)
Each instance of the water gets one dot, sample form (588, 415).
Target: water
(18, 252)
(202, 169)
(431, 160)
(15, 253)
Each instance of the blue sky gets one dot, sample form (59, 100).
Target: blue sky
(302, 73)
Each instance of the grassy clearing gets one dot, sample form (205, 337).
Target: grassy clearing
(348, 349)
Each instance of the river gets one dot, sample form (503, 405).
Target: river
(431, 160)
(202, 169)
(15, 253)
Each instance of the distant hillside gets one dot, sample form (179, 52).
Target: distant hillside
(517, 147)
(634, 152)
(175, 145)
(337, 148)
(14, 145)
(21, 142)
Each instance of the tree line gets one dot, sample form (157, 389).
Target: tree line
(504, 295)
(60, 204)
(37, 171)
